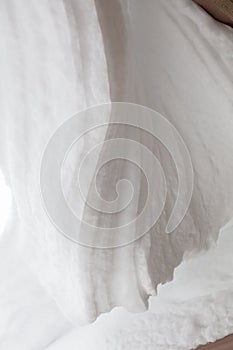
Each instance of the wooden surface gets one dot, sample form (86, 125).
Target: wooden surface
(223, 344)
(222, 10)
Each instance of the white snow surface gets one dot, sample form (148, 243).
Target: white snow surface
(195, 308)
(58, 58)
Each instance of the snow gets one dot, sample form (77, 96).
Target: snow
(43, 276)
(193, 309)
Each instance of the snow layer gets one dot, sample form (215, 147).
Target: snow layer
(60, 57)
(193, 309)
